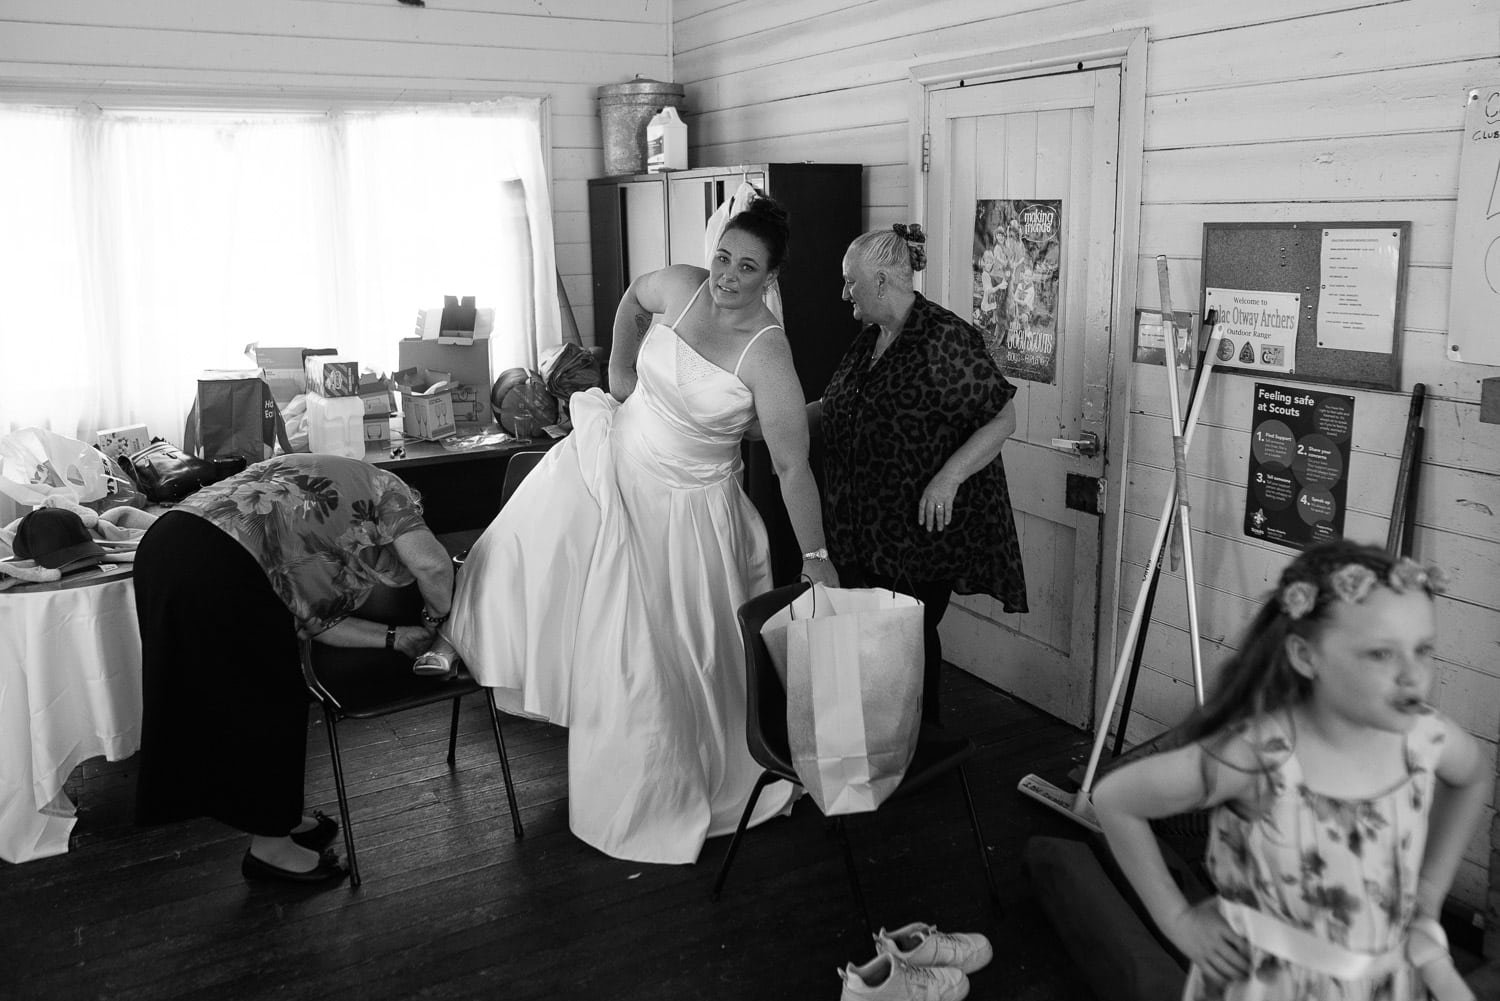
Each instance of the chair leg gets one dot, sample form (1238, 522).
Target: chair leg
(766, 778)
(331, 722)
(842, 830)
(453, 734)
(984, 852)
(510, 789)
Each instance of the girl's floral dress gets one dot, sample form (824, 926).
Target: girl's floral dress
(1343, 869)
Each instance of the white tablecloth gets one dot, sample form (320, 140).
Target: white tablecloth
(70, 689)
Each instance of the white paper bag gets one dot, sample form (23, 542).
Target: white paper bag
(852, 661)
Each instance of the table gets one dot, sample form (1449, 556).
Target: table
(460, 488)
(70, 689)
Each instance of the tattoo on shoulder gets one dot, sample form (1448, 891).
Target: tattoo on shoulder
(642, 323)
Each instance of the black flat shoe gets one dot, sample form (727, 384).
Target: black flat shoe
(327, 870)
(320, 836)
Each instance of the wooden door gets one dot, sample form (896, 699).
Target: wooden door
(1009, 160)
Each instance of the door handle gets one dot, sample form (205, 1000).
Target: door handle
(1087, 446)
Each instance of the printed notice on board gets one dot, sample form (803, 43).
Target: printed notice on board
(1259, 328)
(1357, 298)
(1299, 465)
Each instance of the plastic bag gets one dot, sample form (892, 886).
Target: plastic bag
(36, 464)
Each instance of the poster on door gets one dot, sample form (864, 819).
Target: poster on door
(1299, 465)
(1017, 266)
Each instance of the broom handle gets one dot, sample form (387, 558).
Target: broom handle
(1403, 474)
(1154, 554)
(1183, 537)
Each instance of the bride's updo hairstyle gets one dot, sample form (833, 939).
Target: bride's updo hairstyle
(767, 222)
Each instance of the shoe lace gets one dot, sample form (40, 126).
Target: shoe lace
(947, 947)
(914, 974)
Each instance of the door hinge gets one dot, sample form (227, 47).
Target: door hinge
(926, 152)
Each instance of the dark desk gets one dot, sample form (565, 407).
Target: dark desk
(460, 487)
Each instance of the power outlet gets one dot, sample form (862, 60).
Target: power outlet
(127, 440)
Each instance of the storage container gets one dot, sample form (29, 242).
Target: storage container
(336, 426)
(666, 142)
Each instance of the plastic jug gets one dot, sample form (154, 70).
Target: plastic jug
(336, 426)
(666, 142)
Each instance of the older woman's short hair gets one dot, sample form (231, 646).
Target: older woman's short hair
(885, 250)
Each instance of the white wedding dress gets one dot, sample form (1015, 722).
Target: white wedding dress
(603, 598)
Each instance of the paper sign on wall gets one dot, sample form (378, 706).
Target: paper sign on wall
(1474, 296)
(1259, 328)
(1358, 269)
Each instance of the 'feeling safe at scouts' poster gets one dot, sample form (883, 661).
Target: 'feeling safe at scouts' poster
(1017, 256)
(1299, 465)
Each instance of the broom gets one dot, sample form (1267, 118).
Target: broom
(1076, 806)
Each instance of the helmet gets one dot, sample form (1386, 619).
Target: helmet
(520, 390)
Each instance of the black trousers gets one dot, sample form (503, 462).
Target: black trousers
(934, 596)
(224, 732)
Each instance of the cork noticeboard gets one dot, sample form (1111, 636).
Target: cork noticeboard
(1287, 257)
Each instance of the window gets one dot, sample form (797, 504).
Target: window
(138, 248)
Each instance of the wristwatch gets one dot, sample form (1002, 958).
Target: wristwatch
(390, 637)
(820, 553)
(433, 621)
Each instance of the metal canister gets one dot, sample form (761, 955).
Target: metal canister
(624, 111)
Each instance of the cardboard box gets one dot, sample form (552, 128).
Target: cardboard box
(457, 326)
(471, 412)
(123, 440)
(330, 376)
(429, 325)
(466, 364)
(378, 393)
(426, 404)
(377, 430)
(283, 371)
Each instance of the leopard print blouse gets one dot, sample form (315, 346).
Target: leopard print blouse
(888, 427)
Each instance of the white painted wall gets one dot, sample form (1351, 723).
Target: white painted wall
(1280, 110)
(451, 49)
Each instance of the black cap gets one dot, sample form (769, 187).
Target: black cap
(57, 539)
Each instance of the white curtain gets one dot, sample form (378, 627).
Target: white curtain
(139, 248)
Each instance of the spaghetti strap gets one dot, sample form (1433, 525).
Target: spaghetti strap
(689, 306)
(751, 344)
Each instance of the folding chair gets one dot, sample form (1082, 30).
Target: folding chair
(364, 684)
(766, 733)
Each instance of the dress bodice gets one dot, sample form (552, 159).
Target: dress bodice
(687, 416)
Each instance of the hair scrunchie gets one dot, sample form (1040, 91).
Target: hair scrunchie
(915, 238)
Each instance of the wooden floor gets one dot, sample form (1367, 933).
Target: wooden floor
(453, 907)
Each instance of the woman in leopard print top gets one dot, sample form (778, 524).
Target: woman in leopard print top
(912, 423)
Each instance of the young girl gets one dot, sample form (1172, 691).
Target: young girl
(1342, 801)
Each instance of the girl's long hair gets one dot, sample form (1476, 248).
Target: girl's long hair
(1260, 678)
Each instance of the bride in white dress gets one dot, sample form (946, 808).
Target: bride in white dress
(603, 596)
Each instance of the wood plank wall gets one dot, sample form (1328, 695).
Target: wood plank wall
(1281, 110)
(465, 49)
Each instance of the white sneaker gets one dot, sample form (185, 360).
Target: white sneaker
(924, 945)
(886, 978)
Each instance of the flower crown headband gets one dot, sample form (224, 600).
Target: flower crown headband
(1353, 582)
(915, 239)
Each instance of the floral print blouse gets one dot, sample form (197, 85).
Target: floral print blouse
(321, 527)
(1343, 869)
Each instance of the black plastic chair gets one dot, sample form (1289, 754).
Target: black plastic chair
(516, 469)
(364, 684)
(765, 730)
